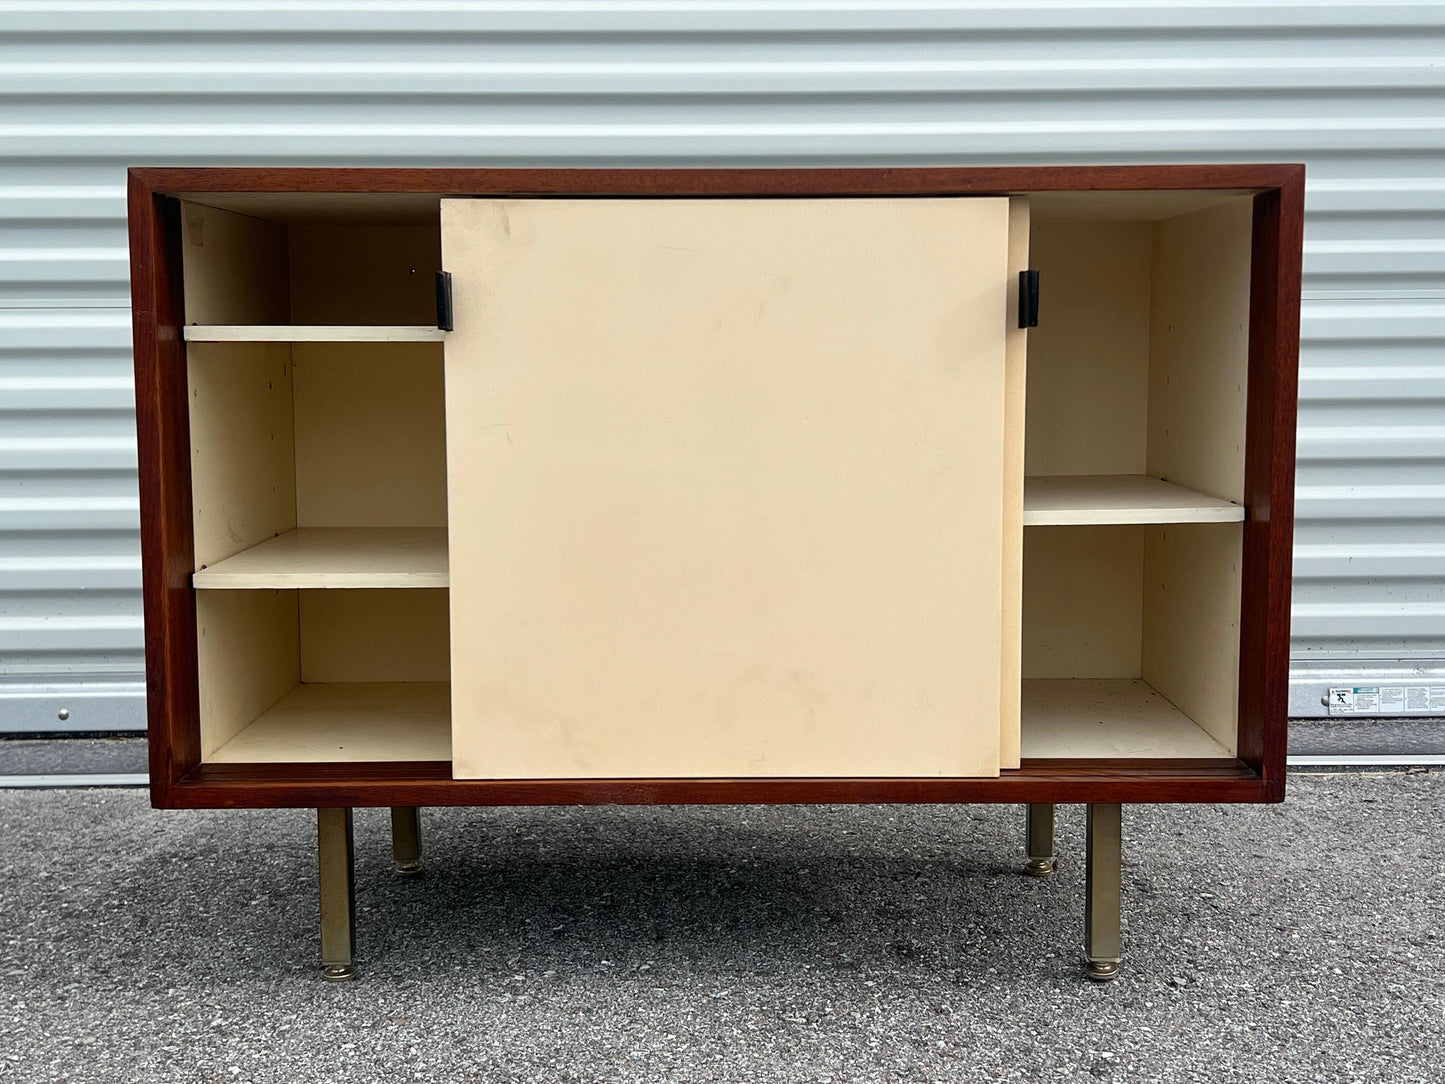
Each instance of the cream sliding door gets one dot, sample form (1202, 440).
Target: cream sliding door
(726, 486)
(1016, 348)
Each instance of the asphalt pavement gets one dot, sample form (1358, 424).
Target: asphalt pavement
(1299, 942)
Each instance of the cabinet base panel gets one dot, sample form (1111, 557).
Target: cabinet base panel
(1108, 718)
(1056, 780)
(347, 722)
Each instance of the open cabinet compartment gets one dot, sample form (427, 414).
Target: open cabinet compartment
(1131, 641)
(1135, 452)
(282, 268)
(323, 676)
(318, 492)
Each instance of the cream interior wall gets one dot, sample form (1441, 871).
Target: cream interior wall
(386, 635)
(1088, 366)
(363, 274)
(370, 435)
(1083, 593)
(1199, 348)
(248, 657)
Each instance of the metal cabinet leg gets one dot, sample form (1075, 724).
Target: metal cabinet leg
(1042, 862)
(1102, 918)
(406, 839)
(338, 893)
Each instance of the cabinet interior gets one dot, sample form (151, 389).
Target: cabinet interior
(318, 487)
(319, 477)
(1137, 374)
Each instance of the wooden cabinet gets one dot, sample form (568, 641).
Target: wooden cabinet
(720, 486)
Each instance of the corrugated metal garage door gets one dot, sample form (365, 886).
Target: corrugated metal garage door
(1354, 90)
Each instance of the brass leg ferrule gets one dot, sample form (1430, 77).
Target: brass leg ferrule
(1040, 841)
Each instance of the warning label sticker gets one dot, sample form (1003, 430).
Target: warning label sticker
(1387, 700)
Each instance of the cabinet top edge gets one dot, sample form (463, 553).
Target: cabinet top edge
(711, 181)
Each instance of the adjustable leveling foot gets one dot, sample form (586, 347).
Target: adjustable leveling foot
(1041, 861)
(406, 840)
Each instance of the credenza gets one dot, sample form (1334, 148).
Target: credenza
(583, 486)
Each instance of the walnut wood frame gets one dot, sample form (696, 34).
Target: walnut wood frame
(180, 780)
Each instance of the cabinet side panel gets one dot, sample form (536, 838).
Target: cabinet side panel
(726, 486)
(1191, 622)
(396, 635)
(163, 457)
(1199, 349)
(1014, 405)
(248, 654)
(1082, 598)
(243, 468)
(235, 268)
(1088, 364)
(1269, 479)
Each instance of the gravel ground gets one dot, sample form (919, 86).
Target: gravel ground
(1299, 942)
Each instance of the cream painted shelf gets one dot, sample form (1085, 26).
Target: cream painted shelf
(341, 557)
(320, 333)
(348, 722)
(1066, 499)
(1108, 718)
